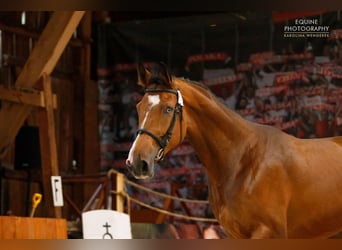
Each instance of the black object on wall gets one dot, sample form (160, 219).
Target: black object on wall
(27, 149)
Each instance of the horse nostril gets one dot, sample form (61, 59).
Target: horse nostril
(144, 167)
(128, 163)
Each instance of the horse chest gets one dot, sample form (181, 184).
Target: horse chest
(236, 219)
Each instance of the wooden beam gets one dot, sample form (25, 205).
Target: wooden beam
(161, 216)
(26, 96)
(26, 33)
(51, 124)
(85, 34)
(120, 189)
(43, 59)
(48, 147)
(91, 154)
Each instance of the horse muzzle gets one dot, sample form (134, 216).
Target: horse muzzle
(141, 169)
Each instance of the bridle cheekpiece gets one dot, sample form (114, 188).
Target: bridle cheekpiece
(164, 140)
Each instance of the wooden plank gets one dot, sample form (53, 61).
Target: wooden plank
(51, 124)
(43, 58)
(120, 189)
(7, 228)
(91, 139)
(48, 146)
(13, 227)
(85, 32)
(29, 97)
(64, 89)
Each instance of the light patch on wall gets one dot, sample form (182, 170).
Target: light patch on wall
(23, 18)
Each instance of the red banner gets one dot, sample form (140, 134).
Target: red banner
(217, 56)
(223, 79)
(269, 57)
(243, 67)
(270, 120)
(288, 77)
(270, 91)
(287, 125)
(260, 58)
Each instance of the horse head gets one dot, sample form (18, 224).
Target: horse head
(161, 125)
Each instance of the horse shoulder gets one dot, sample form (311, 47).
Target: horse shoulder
(262, 179)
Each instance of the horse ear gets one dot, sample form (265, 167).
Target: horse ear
(166, 73)
(143, 75)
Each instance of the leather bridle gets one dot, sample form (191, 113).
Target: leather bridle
(164, 140)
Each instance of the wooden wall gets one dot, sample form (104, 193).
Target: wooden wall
(76, 115)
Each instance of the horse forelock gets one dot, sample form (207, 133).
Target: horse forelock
(159, 78)
(158, 81)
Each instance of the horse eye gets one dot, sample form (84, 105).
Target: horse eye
(168, 110)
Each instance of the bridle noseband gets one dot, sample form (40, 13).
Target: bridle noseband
(165, 139)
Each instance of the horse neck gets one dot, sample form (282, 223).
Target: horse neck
(213, 129)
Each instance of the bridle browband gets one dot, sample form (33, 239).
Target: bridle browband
(165, 139)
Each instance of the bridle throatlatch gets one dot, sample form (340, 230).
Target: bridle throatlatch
(165, 139)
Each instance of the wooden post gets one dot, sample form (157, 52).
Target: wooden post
(46, 102)
(24, 228)
(161, 217)
(91, 153)
(51, 123)
(120, 189)
(48, 147)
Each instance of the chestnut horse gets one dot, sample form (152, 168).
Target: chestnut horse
(263, 183)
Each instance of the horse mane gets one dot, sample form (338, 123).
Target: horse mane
(201, 86)
(158, 79)
(207, 90)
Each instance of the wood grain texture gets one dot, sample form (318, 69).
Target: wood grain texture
(12, 227)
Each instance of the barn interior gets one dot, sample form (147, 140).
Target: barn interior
(67, 108)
